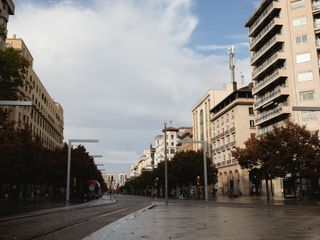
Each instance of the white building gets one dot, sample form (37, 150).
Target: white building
(122, 179)
(172, 141)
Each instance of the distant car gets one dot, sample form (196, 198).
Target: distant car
(92, 190)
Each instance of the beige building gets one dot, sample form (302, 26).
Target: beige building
(186, 138)
(284, 45)
(232, 123)
(201, 115)
(45, 117)
(6, 8)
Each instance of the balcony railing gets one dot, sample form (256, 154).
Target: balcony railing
(270, 114)
(263, 32)
(269, 96)
(316, 5)
(261, 18)
(266, 64)
(264, 48)
(260, 85)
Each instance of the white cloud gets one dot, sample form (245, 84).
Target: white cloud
(119, 67)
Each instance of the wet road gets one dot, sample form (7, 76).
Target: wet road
(216, 221)
(69, 223)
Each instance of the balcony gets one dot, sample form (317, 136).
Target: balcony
(280, 73)
(281, 109)
(271, 43)
(271, 96)
(267, 12)
(254, 41)
(316, 7)
(267, 64)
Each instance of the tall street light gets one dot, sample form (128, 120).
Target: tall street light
(165, 163)
(204, 147)
(69, 160)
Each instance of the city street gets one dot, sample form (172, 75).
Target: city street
(216, 221)
(74, 222)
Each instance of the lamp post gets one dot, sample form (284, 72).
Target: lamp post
(165, 163)
(69, 160)
(204, 147)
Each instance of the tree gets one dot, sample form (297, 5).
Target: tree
(287, 150)
(13, 69)
(183, 170)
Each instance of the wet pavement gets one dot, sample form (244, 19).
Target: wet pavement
(216, 221)
(11, 208)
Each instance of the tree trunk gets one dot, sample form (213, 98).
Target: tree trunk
(267, 188)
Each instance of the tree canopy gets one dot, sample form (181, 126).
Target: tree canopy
(13, 69)
(289, 150)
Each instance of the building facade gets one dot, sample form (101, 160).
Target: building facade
(285, 44)
(232, 123)
(45, 118)
(159, 146)
(122, 179)
(185, 135)
(6, 8)
(201, 116)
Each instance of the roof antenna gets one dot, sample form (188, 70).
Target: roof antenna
(232, 67)
(242, 79)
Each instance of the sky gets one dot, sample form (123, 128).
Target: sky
(120, 68)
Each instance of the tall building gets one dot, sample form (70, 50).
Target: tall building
(201, 116)
(285, 44)
(45, 117)
(232, 123)
(6, 8)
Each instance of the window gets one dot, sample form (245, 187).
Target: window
(305, 57)
(297, 4)
(251, 112)
(172, 151)
(306, 96)
(251, 123)
(305, 76)
(299, 21)
(308, 115)
(301, 39)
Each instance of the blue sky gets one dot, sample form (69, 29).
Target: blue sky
(121, 67)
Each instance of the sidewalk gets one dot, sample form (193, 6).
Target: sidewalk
(264, 200)
(209, 221)
(11, 208)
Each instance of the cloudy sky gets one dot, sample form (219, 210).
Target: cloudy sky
(120, 68)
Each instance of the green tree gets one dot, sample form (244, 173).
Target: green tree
(289, 149)
(13, 69)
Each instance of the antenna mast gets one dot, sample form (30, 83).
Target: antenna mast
(231, 63)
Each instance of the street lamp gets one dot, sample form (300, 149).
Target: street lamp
(69, 160)
(204, 147)
(165, 163)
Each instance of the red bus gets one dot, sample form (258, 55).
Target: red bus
(92, 190)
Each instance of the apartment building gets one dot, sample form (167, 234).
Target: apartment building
(285, 44)
(201, 115)
(172, 141)
(6, 8)
(45, 117)
(232, 123)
